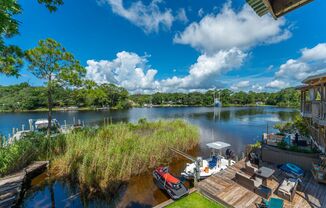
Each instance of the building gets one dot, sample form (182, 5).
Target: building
(276, 8)
(313, 107)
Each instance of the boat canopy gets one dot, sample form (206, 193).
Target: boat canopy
(218, 145)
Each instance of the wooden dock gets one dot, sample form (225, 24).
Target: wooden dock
(222, 188)
(12, 186)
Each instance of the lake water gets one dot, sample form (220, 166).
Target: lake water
(238, 126)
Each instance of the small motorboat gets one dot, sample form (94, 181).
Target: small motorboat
(292, 170)
(212, 165)
(172, 185)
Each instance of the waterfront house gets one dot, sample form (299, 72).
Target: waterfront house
(313, 108)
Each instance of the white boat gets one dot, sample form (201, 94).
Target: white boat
(211, 165)
(41, 124)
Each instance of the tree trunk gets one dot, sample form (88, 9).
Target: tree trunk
(50, 108)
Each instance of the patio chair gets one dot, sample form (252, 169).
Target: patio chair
(288, 188)
(247, 181)
(264, 191)
(250, 168)
(271, 203)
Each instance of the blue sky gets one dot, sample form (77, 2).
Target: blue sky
(157, 45)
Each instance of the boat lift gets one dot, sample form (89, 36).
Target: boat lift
(198, 161)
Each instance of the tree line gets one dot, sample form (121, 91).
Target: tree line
(288, 97)
(26, 97)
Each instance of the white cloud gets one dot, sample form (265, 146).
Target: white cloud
(228, 29)
(293, 69)
(278, 84)
(201, 12)
(182, 16)
(312, 61)
(270, 67)
(257, 88)
(240, 85)
(127, 70)
(132, 72)
(148, 17)
(314, 54)
(204, 73)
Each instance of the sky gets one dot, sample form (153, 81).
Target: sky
(151, 46)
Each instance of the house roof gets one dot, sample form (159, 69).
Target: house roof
(276, 8)
(314, 79)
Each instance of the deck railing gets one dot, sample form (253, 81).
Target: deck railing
(307, 108)
(315, 109)
(315, 106)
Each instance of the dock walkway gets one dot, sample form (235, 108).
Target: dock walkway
(12, 186)
(222, 188)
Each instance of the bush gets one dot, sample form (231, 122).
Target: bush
(298, 124)
(282, 145)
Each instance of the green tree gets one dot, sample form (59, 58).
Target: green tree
(51, 62)
(10, 55)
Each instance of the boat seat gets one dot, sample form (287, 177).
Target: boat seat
(213, 162)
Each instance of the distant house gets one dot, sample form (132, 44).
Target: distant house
(276, 8)
(313, 107)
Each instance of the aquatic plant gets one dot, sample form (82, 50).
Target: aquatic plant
(33, 147)
(102, 159)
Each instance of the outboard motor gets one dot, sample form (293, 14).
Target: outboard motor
(229, 154)
(200, 161)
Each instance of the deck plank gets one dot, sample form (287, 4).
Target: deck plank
(222, 187)
(11, 186)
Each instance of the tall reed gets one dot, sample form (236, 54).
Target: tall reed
(34, 146)
(101, 159)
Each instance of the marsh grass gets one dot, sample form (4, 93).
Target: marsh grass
(100, 160)
(34, 147)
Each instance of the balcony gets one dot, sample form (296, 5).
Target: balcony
(315, 110)
(306, 109)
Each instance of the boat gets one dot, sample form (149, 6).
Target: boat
(217, 103)
(41, 124)
(167, 182)
(214, 164)
(292, 170)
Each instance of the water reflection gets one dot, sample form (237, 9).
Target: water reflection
(238, 126)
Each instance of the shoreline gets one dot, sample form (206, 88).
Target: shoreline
(137, 106)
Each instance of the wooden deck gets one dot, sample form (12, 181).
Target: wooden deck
(222, 188)
(12, 186)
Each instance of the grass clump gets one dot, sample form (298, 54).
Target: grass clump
(195, 200)
(102, 159)
(21, 153)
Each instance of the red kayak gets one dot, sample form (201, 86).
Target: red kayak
(172, 185)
